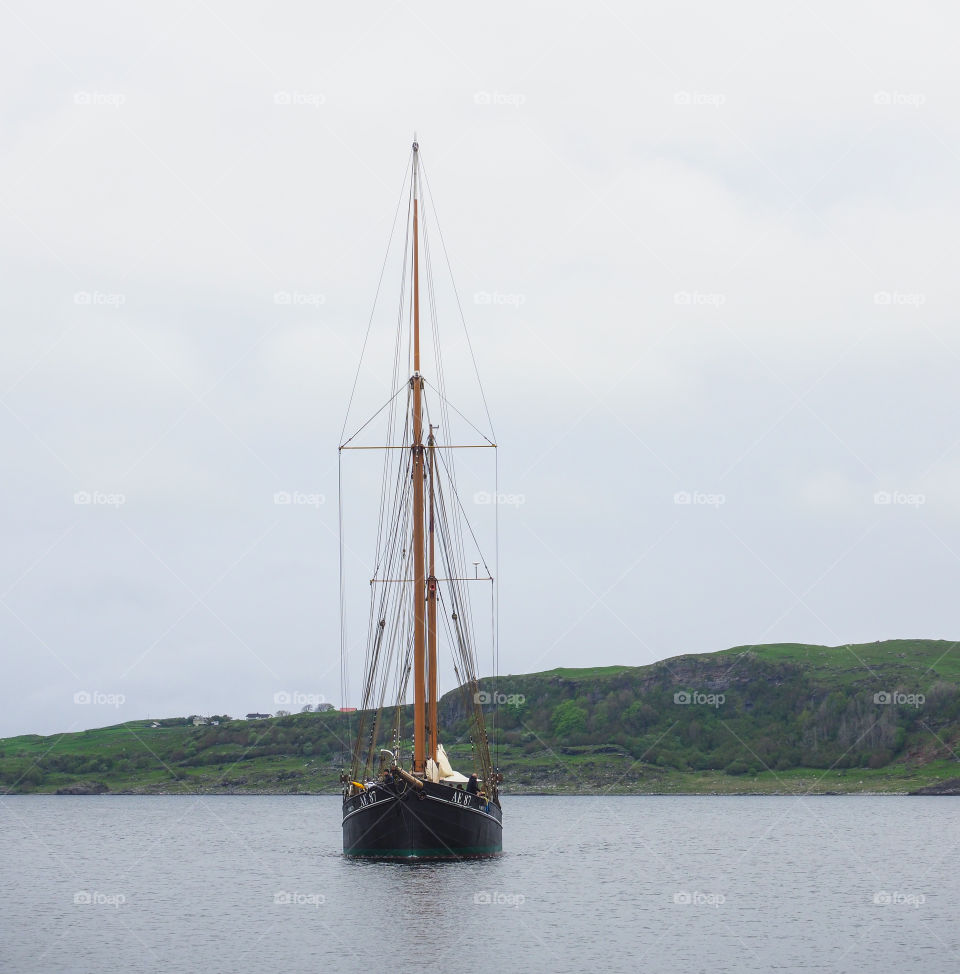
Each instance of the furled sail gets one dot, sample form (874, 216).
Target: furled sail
(447, 773)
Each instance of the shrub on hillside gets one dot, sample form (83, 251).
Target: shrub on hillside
(567, 719)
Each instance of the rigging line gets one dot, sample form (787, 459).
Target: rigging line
(466, 519)
(454, 639)
(441, 376)
(394, 383)
(387, 503)
(344, 664)
(432, 299)
(391, 502)
(457, 411)
(396, 556)
(456, 294)
(388, 544)
(388, 556)
(458, 591)
(444, 410)
(463, 682)
(384, 677)
(393, 560)
(495, 585)
(383, 268)
(378, 676)
(380, 643)
(386, 629)
(457, 638)
(469, 682)
(496, 682)
(391, 510)
(373, 417)
(451, 548)
(431, 291)
(392, 416)
(445, 420)
(379, 682)
(459, 646)
(457, 531)
(400, 650)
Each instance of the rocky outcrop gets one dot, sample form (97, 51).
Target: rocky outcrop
(949, 787)
(84, 788)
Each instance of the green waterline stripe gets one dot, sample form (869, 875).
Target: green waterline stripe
(439, 853)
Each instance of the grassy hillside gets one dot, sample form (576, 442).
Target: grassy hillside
(779, 718)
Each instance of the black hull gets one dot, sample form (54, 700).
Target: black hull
(435, 822)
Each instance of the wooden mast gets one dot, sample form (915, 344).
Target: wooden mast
(432, 681)
(419, 571)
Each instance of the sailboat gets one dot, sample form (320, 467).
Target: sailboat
(402, 798)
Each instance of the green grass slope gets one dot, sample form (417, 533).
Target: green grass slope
(777, 718)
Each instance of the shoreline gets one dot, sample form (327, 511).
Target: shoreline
(220, 793)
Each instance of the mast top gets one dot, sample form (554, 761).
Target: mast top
(415, 166)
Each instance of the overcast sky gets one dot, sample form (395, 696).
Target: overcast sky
(707, 258)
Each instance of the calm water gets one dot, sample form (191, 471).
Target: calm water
(614, 884)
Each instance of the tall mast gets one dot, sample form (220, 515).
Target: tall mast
(419, 572)
(432, 684)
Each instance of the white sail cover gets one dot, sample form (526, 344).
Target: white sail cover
(446, 772)
(433, 772)
(444, 762)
